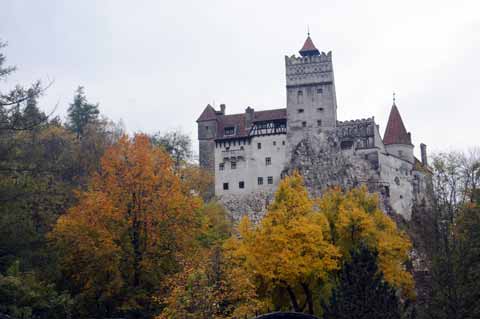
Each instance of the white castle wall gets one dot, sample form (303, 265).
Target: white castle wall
(250, 164)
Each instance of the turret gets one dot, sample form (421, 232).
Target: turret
(207, 132)
(397, 140)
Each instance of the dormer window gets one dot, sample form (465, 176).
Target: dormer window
(229, 130)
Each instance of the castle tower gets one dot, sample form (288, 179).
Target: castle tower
(207, 131)
(397, 140)
(311, 98)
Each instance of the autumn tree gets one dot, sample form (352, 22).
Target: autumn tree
(127, 232)
(289, 252)
(355, 219)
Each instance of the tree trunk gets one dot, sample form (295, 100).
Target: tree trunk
(309, 299)
(293, 299)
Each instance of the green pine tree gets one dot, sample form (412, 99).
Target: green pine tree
(81, 113)
(362, 293)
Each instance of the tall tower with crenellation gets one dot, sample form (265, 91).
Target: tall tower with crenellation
(311, 98)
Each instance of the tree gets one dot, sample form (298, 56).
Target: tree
(126, 234)
(175, 143)
(81, 113)
(289, 252)
(23, 295)
(456, 241)
(355, 219)
(362, 292)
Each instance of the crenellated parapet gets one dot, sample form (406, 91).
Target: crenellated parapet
(357, 134)
(323, 57)
(316, 69)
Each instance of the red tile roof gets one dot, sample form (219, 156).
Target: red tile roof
(309, 48)
(395, 133)
(207, 114)
(238, 121)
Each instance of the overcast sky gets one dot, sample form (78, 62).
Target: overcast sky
(156, 64)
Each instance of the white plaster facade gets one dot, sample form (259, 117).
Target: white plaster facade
(260, 157)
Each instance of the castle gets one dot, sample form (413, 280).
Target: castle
(250, 152)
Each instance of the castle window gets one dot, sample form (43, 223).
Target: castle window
(270, 179)
(221, 166)
(300, 97)
(283, 142)
(387, 191)
(304, 124)
(242, 148)
(260, 180)
(319, 90)
(274, 143)
(345, 145)
(229, 130)
(268, 161)
(300, 110)
(319, 123)
(225, 186)
(207, 128)
(233, 165)
(259, 146)
(241, 185)
(320, 109)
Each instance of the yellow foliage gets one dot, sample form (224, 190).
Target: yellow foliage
(355, 218)
(288, 248)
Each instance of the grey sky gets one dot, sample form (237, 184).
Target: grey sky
(156, 64)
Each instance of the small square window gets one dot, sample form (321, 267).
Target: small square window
(225, 186)
(259, 146)
(260, 181)
(268, 161)
(233, 165)
(221, 166)
(270, 179)
(241, 185)
(300, 110)
(319, 123)
(304, 124)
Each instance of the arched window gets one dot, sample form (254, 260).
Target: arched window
(300, 97)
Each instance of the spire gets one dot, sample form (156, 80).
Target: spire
(395, 133)
(309, 48)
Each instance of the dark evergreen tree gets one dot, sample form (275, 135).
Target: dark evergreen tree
(362, 293)
(81, 113)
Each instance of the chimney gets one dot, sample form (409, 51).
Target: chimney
(249, 116)
(222, 108)
(423, 150)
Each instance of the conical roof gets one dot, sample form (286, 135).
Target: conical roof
(395, 133)
(309, 48)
